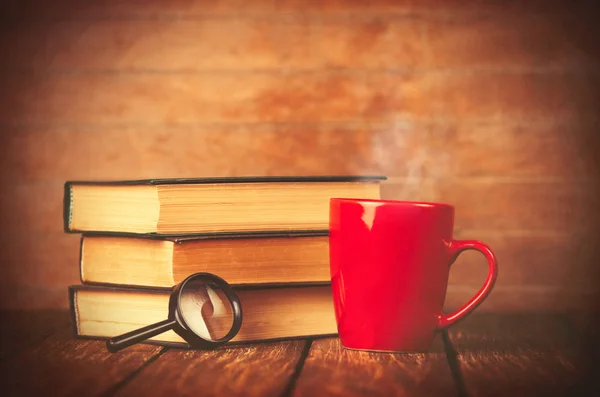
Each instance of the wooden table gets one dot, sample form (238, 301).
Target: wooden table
(485, 355)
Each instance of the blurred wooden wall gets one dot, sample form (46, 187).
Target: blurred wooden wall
(492, 106)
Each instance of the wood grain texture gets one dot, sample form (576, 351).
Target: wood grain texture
(154, 151)
(537, 354)
(331, 370)
(565, 207)
(508, 298)
(256, 370)
(523, 205)
(587, 329)
(18, 295)
(30, 256)
(118, 98)
(492, 106)
(387, 36)
(516, 96)
(21, 329)
(521, 355)
(241, 44)
(535, 330)
(513, 40)
(37, 267)
(197, 8)
(525, 150)
(552, 260)
(194, 8)
(418, 152)
(62, 366)
(371, 41)
(325, 96)
(32, 208)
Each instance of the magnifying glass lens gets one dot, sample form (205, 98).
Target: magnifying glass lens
(206, 309)
(203, 309)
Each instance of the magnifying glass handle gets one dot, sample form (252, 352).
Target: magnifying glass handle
(122, 341)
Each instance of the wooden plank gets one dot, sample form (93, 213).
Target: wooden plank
(528, 150)
(375, 41)
(565, 207)
(41, 257)
(34, 295)
(417, 166)
(195, 8)
(530, 260)
(133, 98)
(198, 8)
(331, 370)
(195, 151)
(513, 39)
(22, 328)
(587, 327)
(65, 366)
(530, 330)
(253, 370)
(326, 96)
(32, 207)
(215, 44)
(37, 268)
(507, 298)
(517, 96)
(44, 156)
(418, 153)
(500, 205)
(521, 355)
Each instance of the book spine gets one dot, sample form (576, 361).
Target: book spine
(73, 310)
(67, 207)
(81, 278)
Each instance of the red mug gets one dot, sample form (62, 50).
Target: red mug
(390, 262)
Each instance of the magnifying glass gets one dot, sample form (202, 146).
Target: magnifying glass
(203, 309)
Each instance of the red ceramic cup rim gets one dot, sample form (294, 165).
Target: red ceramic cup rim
(394, 202)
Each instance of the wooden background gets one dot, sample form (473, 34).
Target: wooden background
(490, 105)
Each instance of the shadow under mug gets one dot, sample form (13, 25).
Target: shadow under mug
(390, 263)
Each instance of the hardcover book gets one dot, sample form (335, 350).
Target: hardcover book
(240, 259)
(209, 205)
(269, 313)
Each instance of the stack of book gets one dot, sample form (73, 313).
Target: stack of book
(266, 236)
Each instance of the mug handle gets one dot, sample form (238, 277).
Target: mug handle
(456, 247)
